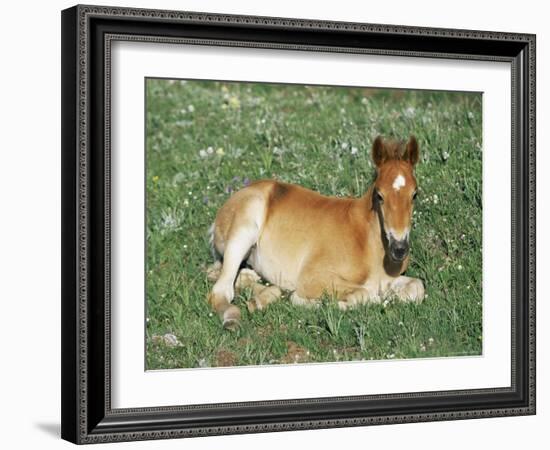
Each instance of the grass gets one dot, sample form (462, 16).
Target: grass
(206, 140)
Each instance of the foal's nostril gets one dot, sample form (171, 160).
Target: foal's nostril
(399, 249)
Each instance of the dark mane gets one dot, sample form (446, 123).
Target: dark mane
(394, 148)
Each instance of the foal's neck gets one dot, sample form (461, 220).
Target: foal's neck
(364, 212)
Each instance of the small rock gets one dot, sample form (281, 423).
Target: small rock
(168, 339)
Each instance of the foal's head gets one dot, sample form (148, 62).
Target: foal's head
(394, 192)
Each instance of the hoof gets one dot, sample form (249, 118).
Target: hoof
(231, 324)
(213, 271)
(251, 306)
(232, 318)
(414, 292)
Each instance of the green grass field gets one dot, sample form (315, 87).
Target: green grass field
(206, 140)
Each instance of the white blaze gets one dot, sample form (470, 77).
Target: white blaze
(399, 182)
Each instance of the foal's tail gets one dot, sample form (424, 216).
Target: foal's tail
(215, 254)
(213, 270)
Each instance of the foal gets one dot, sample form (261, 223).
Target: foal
(353, 248)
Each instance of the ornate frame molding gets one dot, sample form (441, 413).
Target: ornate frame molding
(83, 421)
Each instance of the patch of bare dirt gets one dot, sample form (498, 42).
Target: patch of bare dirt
(225, 358)
(295, 354)
(265, 331)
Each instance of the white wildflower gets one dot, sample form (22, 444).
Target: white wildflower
(169, 221)
(191, 108)
(203, 153)
(354, 150)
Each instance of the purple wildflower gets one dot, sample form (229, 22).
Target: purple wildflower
(246, 181)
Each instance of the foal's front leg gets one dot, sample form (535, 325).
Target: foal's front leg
(359, 296)
(408, 289)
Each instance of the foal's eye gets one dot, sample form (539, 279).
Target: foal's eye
(378, 197)
(414, 195)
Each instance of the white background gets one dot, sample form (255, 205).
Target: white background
(30, 225)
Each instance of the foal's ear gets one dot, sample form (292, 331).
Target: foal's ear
(412, 153)
(378, 151)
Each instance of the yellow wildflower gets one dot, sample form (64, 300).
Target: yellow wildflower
(234, 103)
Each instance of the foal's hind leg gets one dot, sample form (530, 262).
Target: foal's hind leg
(243, 235)
(213, 271)
(262, 295)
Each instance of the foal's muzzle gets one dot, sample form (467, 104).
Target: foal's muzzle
(399, 249)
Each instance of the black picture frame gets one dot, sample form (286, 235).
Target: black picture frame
(87, 32)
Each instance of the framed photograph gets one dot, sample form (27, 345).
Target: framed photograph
(279, 224)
